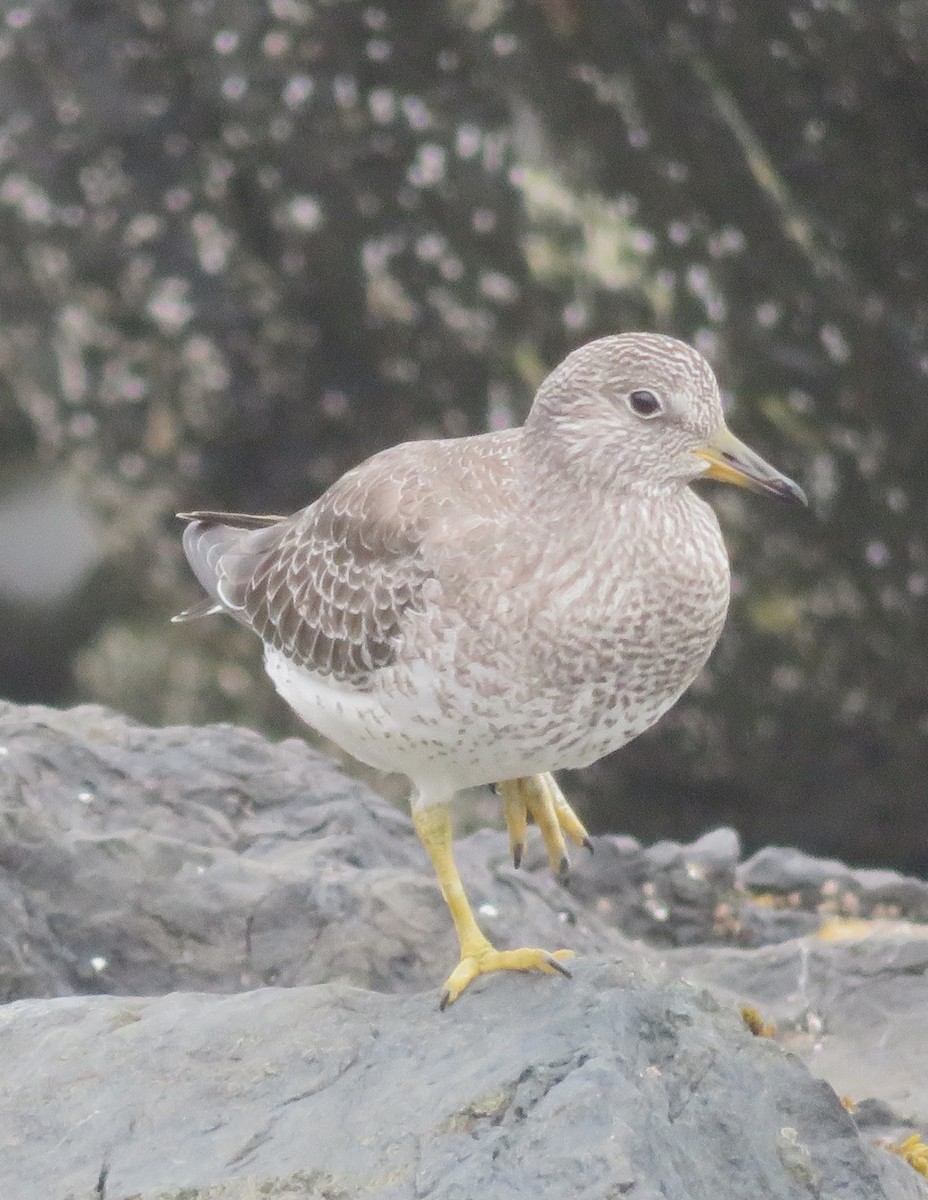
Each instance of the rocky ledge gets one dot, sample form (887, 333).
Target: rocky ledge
(221, 958)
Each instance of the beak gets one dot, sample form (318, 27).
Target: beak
(731, 461)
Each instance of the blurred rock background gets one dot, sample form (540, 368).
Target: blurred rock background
(245, 243)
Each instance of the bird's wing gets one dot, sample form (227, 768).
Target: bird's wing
(331, 586)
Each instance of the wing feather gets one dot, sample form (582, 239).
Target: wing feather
(331, 586)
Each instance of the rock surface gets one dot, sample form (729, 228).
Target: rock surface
(606, 1086)
(141, 861)
(210, 864)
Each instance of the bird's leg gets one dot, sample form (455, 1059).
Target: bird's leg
(478, 955)
(541, 796)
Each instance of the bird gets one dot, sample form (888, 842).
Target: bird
(490, 609)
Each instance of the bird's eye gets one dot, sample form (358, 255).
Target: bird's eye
(644, 403)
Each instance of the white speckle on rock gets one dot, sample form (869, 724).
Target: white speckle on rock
(376, 253)
(700, 283)
(305, 213)
(767, 313)
(917, 583)
(575, 315)
(642, 241)
(451, 268)
(276, 43)
(345, 91)
(142, 228)
(382, 105)
(298, 90)
(835, 343)
(176, 199)
(234, 87)
(169, 305)
(225, 41)
(104, 180)
(416, 113)
(877, 554)
(206, 364)
(498, 287)
(726, 242)
(298, 12)
(19, 18)
(213, 242)
(467, 143)
(30, 201)
(375, 18)
(429, 166)
(431, 246)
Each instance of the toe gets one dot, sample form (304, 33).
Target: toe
(485, 962)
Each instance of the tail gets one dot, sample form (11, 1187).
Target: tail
(208, 539)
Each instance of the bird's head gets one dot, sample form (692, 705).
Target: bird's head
(642, 412)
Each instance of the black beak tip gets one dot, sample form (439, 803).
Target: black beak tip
(790, 491)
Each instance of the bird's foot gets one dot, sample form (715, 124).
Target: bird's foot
(483, 958)
(540, 796)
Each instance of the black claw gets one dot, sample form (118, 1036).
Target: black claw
(563, 867)
(517, 852)
(588, 844)
(443, 1002)
(559, 966)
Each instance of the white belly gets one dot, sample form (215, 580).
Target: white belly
(447, 742)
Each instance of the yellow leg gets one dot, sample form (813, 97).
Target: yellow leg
(541, 796)
(478, 955)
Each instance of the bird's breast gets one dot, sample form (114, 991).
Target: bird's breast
(614, 619)
(565, 646)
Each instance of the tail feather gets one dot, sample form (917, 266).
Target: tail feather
(223, 550)
(203, 608)
(234, 520)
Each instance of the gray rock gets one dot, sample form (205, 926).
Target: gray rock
(854, 1011)
(138, 861)
(871, 892)
(603, 1086)
(668, 893)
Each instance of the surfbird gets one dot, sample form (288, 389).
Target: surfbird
(490, 609)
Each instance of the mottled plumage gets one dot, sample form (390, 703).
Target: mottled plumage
(498, 607)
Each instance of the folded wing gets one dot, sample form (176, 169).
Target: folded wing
(331, 586)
